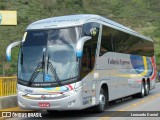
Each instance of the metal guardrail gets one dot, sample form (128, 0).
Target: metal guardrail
(8, 86)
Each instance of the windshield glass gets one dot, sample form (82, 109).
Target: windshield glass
(48, 55)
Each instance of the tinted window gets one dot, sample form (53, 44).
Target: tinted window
(36, 38)
(106, 40)
(62, 36)
(90, 29)
(121, 42)
(141, 47)
(88, 59)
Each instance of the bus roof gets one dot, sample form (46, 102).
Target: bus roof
(77, 20)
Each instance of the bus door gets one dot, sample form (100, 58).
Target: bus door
(87, 66)
(88, 60)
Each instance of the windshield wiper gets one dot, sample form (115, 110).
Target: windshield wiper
(48, 62)
(53, 70)
(40, 66)
(21, 57)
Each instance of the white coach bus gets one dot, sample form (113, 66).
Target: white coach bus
(79, 61)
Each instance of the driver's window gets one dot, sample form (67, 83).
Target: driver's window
(106, 41)
(88, 59)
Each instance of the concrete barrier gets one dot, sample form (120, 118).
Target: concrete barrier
(8, 102)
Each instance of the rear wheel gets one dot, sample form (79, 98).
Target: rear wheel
(142, 93)
(102, 101)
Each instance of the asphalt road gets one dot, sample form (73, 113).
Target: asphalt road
(129, 106)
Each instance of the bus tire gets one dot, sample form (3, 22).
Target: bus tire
(146, 88)
(102, 101)
(142, 93)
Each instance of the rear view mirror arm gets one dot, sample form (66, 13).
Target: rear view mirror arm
(79, 46)
(8, 50)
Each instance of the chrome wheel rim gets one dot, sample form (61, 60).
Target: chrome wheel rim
(147, 88)
(142, 89)
(102, 101)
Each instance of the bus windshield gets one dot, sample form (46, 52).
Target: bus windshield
(48, 56)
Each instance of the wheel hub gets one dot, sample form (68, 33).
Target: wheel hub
(102, 100)
(143, 90)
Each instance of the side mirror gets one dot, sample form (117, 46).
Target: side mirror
(8, 50)
(79, 46)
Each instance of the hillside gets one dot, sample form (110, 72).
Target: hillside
(140, 15)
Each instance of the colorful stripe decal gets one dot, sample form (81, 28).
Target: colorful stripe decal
(144, 73)
(70, 86)
(154, 69)
(143, 66)
(58, 90)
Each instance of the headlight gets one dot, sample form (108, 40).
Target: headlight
(21, 93)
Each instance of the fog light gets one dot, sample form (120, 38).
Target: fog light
(21, 93)
(71, 103)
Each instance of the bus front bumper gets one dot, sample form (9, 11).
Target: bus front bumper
(68, 102)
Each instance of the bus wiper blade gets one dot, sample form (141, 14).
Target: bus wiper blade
(43, 57)
(35, 73)
(53, 70)
(48, 62)
(21, 57)
(41, 65)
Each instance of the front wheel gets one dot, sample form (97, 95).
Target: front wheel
(102, 101)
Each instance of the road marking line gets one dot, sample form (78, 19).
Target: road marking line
(107, 117)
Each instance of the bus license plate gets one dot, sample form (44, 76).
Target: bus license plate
(44, 104)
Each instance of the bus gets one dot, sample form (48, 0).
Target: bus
(79, 61)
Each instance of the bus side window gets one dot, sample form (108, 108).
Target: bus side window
(106, 41)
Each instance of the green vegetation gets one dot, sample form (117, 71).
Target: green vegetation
(140, 15)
